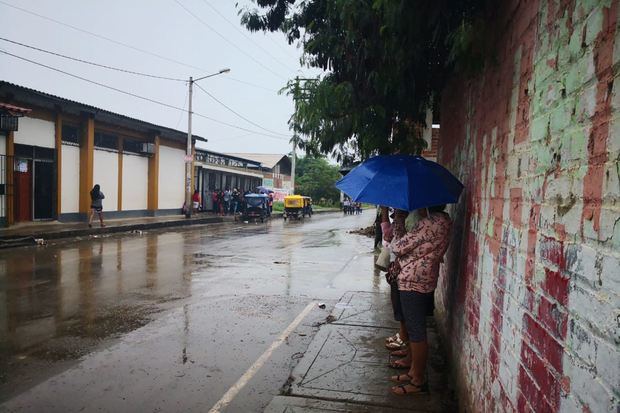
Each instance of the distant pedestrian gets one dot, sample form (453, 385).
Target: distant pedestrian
(215, 206)
(235, 201)
(96, 205)
(196, 201)
(270, 202)
(220, 202)
(227, 201)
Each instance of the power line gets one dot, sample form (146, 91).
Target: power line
(236, 27)
(267, 68)
(128, 46)
(169, 59)
(184, 106)
(241, 128)
(250, 84)
(135, 95)
(237, 113)
(92, 63)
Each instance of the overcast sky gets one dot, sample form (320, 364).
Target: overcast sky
(260, 64)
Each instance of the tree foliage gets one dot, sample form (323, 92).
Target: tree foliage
(315, 177)
(385, 63)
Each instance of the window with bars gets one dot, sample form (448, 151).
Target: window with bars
(70, 134)
(106, 140)
(133, 146)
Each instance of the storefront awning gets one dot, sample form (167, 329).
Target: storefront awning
(234, 171)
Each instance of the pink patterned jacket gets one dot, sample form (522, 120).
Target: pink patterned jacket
(420, 252)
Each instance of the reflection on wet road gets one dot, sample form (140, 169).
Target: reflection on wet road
(166, 320)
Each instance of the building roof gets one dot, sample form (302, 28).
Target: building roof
(14, 110)
(10, 92)
(268, 160)
(227, 155)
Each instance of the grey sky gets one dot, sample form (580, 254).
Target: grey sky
(162, 27)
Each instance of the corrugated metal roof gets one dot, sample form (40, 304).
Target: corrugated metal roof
(28, 96)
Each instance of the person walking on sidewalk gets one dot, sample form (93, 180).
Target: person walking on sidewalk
(419, 254)
(96, 205)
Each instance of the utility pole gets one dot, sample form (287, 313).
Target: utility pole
(293, 165)
(189, 156)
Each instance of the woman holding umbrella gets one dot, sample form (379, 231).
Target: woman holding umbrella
(411, 183)
(419, 254)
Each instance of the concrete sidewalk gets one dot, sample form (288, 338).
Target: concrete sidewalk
(345, 368)
(26, 234)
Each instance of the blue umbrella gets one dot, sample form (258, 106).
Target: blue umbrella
(264, 190)
(401, 181)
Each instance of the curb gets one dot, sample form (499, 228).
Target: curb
(323, 211)
(12, 241)
(20, 240)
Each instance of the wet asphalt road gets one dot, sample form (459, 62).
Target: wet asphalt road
(170, 320)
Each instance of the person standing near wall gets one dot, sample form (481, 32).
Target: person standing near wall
(419, 254)
(96, 205)
(392, 233)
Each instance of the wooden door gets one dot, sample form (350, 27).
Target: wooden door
(22, 185)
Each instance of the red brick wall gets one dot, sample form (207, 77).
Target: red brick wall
(431, 151)
(529, 296)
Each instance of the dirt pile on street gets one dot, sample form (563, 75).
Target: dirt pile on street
(368, 231)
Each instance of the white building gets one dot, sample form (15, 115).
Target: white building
(53, 154)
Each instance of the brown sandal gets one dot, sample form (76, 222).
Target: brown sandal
(399, 353)
(396, 365)
(397, 379)
(401, 389)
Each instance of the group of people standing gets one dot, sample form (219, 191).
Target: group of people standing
(412, 273)
(226, 202)
(351, 208)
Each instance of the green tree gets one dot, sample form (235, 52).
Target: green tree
(386, 62)
(315, 177)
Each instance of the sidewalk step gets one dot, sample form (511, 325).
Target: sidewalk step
(365, 309)
(346, 365)
(284, 404)
(13, 237)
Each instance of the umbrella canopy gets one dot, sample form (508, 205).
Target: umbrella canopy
(401, 181)
(264, 190)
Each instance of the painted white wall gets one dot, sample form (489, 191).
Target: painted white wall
(105, 174)
(171, 177)
(135, 182)
(70, 179)
(35, 132)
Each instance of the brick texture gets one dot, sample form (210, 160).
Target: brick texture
(529, 296)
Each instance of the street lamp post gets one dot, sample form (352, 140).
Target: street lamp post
(189, 156)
